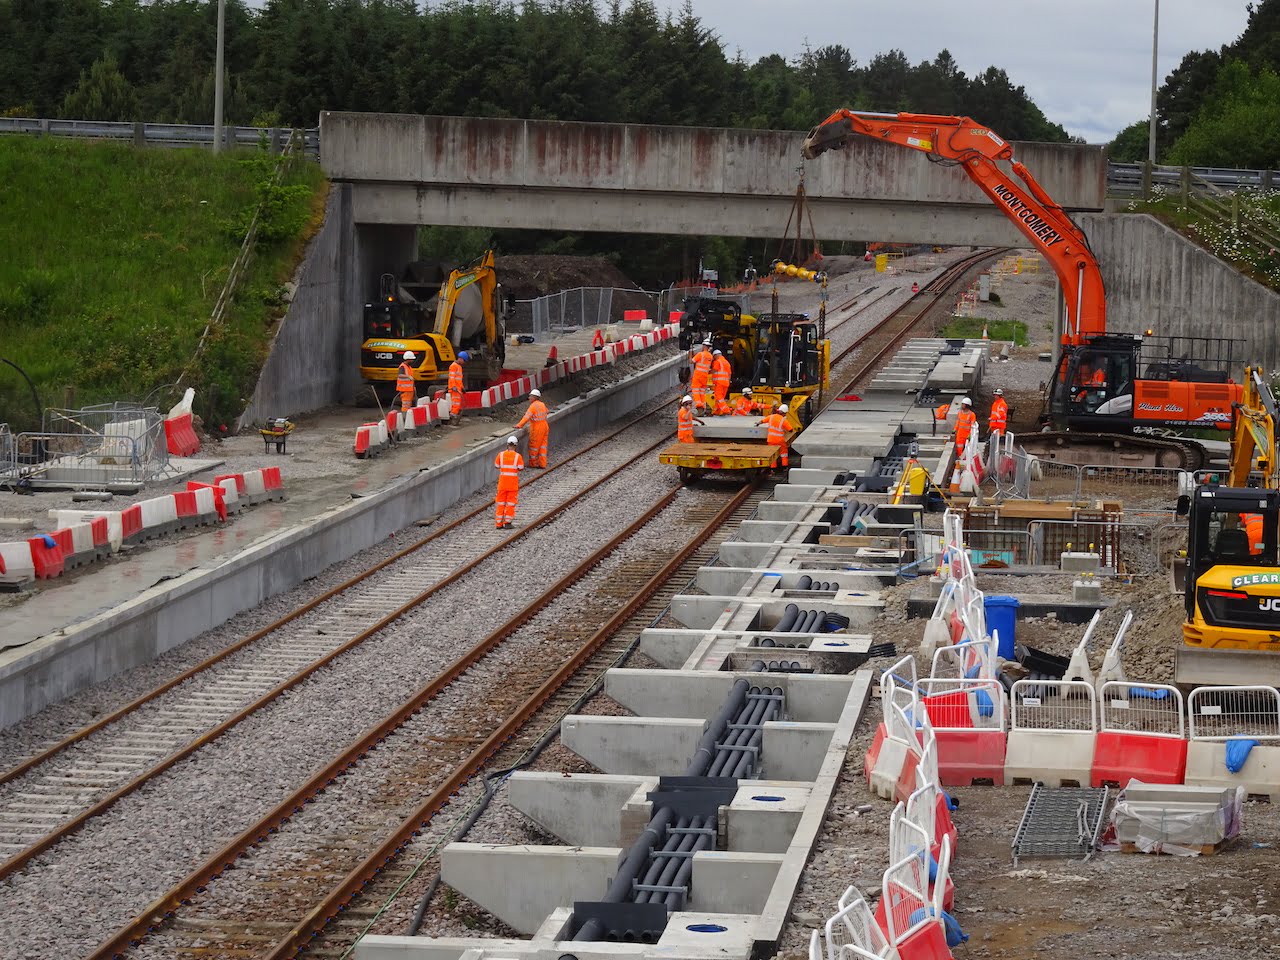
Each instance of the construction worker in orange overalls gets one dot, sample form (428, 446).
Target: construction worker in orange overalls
(702, 361)
(966, 423)
(999, 419)
(509, 464)
(597, 341)
(777, 423)
(536, 418)
(685, 420)
(455, 389)
(745, 405)
(720, 373)
(404, 381)
(1253, 527)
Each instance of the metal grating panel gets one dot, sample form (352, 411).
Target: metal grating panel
(1061, 822)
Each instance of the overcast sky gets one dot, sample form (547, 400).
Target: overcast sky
(1086, 63)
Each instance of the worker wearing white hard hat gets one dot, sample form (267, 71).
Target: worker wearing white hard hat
(745, 405)
(966, 423)
(998, 421)
(509, 464)
(539, 432)
(685, 420)
(777, 437)
(405, 385)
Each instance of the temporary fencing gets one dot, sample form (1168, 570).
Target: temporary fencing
(1235, 738)
(581, 307)
(1052, 731)
(1142, 734)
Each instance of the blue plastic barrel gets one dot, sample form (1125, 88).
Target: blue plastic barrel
(1002, 619)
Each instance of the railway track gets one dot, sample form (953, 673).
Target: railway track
(55, 792)
(271, 890)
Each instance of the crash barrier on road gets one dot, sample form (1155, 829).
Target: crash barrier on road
(1052, 730)
(1142, 734)
(82, 537)
(1235, 739)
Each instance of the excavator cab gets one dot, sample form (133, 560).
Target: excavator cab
(1095, 380)
(787, 351)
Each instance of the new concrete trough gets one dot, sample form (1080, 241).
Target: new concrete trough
(175, 611)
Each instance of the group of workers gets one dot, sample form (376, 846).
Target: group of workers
(711, 367)
(967, 420)
(406, 386)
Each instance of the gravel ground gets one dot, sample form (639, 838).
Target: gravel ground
(235, 779)
(58, 720)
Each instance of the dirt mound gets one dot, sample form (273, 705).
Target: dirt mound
(532, 275)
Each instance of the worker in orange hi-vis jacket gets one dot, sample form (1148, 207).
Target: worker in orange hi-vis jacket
(509, 464)
(685, 420)
(998, 422)
(455, 388)
(745, 405)
(536, 418)
(404, 381)
(777, 423)
(720, 373)
(597, 340)
(702, 361)
(966, 423)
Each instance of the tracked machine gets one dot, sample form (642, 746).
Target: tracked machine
(1232, 631)
(1114, 398)
(437, 317)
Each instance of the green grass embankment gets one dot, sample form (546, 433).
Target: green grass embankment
(971, 328)
(114, 257)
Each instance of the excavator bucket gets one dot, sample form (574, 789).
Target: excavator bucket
(827, 136)
(1200, 667)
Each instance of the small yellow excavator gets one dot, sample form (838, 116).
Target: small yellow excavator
(469, 313)
(1232, 631)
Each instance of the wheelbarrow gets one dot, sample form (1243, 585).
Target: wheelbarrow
(276, 431)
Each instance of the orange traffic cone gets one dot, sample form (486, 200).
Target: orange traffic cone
(553, 356)
(984, 332)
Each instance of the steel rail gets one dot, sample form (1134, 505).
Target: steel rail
(113, 717)
(164, 907)
(60, 833)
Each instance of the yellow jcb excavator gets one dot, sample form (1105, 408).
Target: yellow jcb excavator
(469, 314)
(1232, 631)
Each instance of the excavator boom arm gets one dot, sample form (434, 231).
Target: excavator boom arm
(977, 149)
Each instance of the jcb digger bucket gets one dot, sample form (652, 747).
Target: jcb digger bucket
(1207, 667)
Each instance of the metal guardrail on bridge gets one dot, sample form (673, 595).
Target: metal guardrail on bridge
(164, 134)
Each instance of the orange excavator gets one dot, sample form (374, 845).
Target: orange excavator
(1164, 393)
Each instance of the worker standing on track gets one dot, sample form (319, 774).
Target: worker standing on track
(685, 420)
(509, 464)
(720, 373)
(966, 423)
(536, 418)
(455, 388)
(404, 381)
(999, 419)
(745, 405)
(702, 361)
(777, 423)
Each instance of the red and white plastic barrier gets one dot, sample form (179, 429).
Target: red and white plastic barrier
(969, 719)
(46, 556)
(1142, 734)
(179, 431)
(17, 565)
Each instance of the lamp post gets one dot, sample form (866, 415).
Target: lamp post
(218, 78)
(1155, 46)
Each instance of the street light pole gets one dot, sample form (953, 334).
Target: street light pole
(1155, 47)
(218, 78)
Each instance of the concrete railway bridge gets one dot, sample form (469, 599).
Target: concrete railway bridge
(394, 173)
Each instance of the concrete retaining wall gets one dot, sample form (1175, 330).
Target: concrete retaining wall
(1157, 278)
(176, 611)
(315, 354)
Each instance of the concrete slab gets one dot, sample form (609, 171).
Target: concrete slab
(731, 881)
(764, 817)
(581, 809)
(521, 885)
(699, 693)
(792, 750)
(637, 746)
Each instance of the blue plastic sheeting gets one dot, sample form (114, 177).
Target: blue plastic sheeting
(1144, 694)
(1238, 752)
(985, 707)
(955, 936)
(49, 542)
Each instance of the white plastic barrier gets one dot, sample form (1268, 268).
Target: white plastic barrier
(159, 516)
(15, 558)
(206, 501)
(852, 933)
(1053, 729)
(1221, 715)
(230, 494)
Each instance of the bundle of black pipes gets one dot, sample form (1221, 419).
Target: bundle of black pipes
(808, 583)
(795, 620)
(853, 509)
(659, 864)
